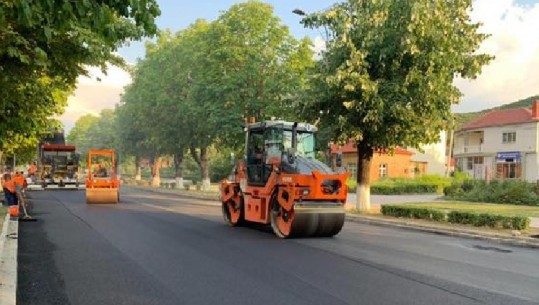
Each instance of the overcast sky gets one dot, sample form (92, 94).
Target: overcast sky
(513, 75)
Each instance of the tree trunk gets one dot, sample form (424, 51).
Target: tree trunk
(450, 154)
(138, 170)
(178, 165)
(204, 168)
(156, 166)
(1, 161)
(363, 191)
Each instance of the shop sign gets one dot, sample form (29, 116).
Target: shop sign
(508, 157)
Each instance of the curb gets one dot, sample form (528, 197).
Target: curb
(526, 242)
(8, 261)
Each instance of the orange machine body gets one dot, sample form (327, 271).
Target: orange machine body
(285, 192)
(102, 187)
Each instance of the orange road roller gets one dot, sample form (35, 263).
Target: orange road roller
(280, 183)
(102, 185)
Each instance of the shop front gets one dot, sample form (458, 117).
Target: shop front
(509, 165)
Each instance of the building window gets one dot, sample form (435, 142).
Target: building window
(459, 164)
(382, 170)
(509, 137)
(352, 169)
(469, 163)
(478, 160)
(509, 171)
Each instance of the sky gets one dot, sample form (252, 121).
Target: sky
(512, 75)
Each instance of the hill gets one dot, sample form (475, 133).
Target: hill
(463, 118)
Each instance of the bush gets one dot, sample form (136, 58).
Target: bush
(453, 190)
(421, 185)
(489, 220)
(506, 191)
(352, 185)
(412, 212)
(403, 189)
(467, 218)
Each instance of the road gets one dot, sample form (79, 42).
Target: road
(164, 249)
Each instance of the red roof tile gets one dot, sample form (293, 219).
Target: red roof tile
(501, 118)
(350, 147)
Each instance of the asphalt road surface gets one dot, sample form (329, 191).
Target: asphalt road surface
(165, 249)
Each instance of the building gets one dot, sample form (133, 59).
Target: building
(435, 155)
(400, 164)
(502, 144)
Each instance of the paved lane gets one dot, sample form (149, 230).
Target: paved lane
(162, 249)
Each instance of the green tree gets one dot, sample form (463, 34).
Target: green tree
(46, 45)
(248, 66)
(94, 132)
(386, 78)
(196, 87)
(79, 135)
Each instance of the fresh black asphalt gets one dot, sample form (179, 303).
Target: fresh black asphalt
(163, 249)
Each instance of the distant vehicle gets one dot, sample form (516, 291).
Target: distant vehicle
(102, 184)
(57, 163)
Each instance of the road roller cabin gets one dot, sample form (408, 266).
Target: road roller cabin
(279, 182)
(102, 185)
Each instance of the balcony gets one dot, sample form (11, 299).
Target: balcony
(469, 149)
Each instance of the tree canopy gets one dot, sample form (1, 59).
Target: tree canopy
(195, 88)
(46, 45)
(386, 78)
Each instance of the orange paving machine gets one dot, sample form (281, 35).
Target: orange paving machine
(102, 185)
(279, 182)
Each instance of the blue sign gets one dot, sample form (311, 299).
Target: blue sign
(508, 156)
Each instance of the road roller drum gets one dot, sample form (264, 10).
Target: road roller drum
(102, 195)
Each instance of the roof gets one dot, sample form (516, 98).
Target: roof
(501, 118)
(58, 147)
(350, 148)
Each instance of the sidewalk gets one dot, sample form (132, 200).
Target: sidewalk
(8, 261)
(378, 200)
(498, 236)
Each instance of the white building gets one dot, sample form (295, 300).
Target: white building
(502, 144)
(434, 155)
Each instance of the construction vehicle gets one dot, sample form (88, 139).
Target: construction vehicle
(280, 183)
(102, 185)
(57, 163)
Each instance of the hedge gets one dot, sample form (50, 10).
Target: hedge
(478, 220)
(397, 189)
(412, 212)
(489, 220)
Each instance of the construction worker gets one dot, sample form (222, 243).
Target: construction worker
(20, 187)
(20, 182)
(10, 191)
(32, 170)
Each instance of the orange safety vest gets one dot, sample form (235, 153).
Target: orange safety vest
(19, 180)
(10, 185)
(32, 169)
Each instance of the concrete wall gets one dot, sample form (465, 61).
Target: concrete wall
(398, 165)
(531, 167)
(526, 138)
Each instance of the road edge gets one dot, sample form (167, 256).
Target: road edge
(525, 242)
(8, 261)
